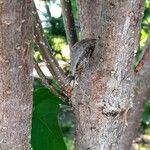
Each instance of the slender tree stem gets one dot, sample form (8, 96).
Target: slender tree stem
(69, 22)
(47, 10)
(47, 82)
(51, 62)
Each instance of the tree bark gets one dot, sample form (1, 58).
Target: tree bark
(107, 98)
(69, 22)
(15, 74)
(89, 14)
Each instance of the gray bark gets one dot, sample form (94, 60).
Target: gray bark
(69, 22)
(89, 13)
(15, 74)
(108, 97)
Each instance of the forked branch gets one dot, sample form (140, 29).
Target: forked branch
(47, 82)
(51, 62)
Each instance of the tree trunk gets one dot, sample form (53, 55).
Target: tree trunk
(107, 98)
(15, 74)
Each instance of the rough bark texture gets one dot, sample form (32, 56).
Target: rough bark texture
(89, 17)
(107, 95)
(69, 22)
(15, 74)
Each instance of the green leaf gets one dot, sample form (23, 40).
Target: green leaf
(46, 134)
(146, 114)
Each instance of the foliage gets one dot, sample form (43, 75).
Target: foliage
(58, 43)
(145, 27)
(56, 27)
(146, 115)
(55, 32)
(74, 9)
(65, 117)
(46, 134)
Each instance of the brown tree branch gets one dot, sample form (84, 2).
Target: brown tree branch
(50, 60)
(142, 93)
(145, 56)
(69, 22)
(47, 82)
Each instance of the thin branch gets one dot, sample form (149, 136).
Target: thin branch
(69, 22)
(145, 56)
(50, 60)
(47, 9)
(47, 82)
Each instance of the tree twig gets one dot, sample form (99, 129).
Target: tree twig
(47, 82)
(50, 60)
(145, 56)
(69, 22)
(47, 9)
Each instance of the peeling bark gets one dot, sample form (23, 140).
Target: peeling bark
(107, 95)
(15, 74)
